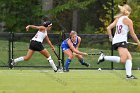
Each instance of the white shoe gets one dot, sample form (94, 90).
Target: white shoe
(131, 77)
(101, 58)
(13, 63)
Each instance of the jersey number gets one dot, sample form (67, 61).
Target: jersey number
(119, 29)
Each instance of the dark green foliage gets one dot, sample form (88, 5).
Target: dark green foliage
(93, 15)
(18, 13)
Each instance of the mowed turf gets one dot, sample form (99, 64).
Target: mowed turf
(75, 81)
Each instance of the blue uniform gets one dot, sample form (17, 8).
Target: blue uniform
(65, 45)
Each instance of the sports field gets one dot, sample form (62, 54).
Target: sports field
(76, 81)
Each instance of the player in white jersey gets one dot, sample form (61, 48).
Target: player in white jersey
(36, 44)
(123, 25)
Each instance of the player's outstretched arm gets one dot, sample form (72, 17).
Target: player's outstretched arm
(41, 28)
(50, 43)
(75, 50)
(132, 33)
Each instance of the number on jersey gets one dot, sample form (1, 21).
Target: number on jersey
(119, 29)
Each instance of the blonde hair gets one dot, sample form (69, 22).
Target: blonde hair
(124, 10)
(73, 33)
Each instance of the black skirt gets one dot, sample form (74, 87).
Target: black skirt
(36, 46)
(120, 44)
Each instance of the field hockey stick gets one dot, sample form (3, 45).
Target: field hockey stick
(95, 53)
(59, 60)
(56, 55)
(132, 43)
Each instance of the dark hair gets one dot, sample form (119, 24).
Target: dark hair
(47, 23)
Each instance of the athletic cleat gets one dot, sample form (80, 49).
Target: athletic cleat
(131, 77)
(66, 70)
(12, 62)
(101, 58)
(87, 64)
(59, 69)
(55, 70)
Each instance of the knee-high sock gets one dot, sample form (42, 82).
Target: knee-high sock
(115, 59)
(67, 64)
(128, 67)
(82, 61)
(19, 59)
(52, 63)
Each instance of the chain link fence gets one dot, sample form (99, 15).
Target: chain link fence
(14, 45)
(4, 49)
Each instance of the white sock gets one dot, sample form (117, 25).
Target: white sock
(128, 67)
(19, 59)
(52, 63)
(115, 59)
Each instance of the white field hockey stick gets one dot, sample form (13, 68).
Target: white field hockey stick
(132, 43)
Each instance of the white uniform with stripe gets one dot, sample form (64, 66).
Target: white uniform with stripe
(121, 31)
(40, 36)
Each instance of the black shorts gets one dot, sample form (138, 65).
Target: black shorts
(36, 46)
(120, 44)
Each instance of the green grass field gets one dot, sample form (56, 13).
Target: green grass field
(75, 81)
(40, 80)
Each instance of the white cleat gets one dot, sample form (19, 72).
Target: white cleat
(101, 58)
(131, 77)
(13, 63)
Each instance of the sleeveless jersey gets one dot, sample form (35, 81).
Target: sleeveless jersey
(121, 31)
(65, 45)
(74, 44)
(40, 36)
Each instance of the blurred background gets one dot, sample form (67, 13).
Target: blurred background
(84, 16)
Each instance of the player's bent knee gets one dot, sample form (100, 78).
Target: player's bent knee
(71, 57)
(123, 61)
(130, 58)
(49, 58)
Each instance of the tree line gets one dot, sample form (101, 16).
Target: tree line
(84, 16)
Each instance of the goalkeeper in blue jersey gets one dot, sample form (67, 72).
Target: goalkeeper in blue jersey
(70, 48)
